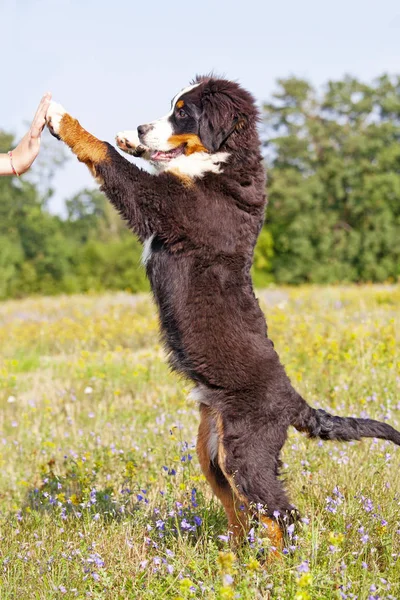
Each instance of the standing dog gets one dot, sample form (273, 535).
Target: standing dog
(198, 220)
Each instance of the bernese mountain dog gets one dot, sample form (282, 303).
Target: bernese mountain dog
(198, 218)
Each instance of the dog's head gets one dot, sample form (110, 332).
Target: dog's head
(210, 117)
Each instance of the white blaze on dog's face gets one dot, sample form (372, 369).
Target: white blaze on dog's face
(174, 142)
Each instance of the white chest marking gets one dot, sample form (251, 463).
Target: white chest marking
(198, 163)
(197, 395)
(146, 254)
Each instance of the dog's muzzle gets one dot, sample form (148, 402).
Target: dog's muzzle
(143, 130)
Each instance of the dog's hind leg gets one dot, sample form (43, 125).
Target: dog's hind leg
(248, 456)
(207, 451)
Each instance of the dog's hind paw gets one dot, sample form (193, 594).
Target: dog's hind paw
(55, 113)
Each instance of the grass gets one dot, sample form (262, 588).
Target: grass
(101, 495)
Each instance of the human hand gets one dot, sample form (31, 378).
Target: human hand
(28, 148)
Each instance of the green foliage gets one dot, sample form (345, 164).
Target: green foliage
(264, 251)
(333, 215)
(334, 180)
(43, 254)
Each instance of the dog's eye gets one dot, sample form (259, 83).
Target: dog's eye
(182, 113)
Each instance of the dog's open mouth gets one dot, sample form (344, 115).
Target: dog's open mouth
(160, 155)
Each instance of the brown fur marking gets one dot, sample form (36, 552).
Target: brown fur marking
(186, 179)
(192, 141)
(237, 518)
(271, 527)
(273, 531)
(180, 103)
(87, 148)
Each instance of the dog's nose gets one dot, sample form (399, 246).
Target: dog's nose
(143, 129)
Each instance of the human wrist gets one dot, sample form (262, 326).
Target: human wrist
(13, 169)
(21, 157)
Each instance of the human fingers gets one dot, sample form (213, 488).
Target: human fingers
(39, 120)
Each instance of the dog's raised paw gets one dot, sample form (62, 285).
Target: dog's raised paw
(129, 142)
(55, 113)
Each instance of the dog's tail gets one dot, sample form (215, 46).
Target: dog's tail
(319, 423)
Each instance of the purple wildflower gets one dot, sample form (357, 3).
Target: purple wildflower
(304, 567)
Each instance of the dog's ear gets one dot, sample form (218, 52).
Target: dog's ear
(213, 136)
(216, 123)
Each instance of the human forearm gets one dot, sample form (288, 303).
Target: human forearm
(5, 165)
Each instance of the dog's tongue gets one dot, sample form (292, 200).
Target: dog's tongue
(168, 155)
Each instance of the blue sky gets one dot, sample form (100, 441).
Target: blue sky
(117, 64)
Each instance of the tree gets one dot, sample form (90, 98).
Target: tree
(40, 253)
(262, 264)
(334, 202)
(108, 256)
(334, 180)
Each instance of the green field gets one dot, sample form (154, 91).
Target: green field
(101, 495)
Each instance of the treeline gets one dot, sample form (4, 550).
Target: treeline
(42, 253)
(334, 181)
(333, 161)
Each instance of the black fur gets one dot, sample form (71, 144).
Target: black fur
(319, 423)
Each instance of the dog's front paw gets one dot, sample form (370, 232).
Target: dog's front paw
(129, 142)
(55, 113)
